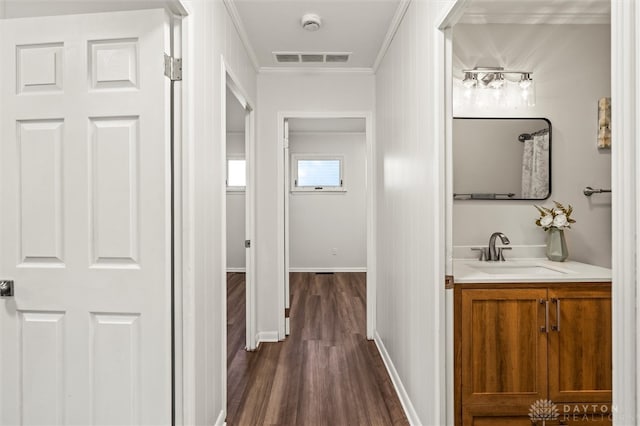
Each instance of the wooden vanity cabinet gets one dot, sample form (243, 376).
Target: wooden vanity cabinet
(519, 343)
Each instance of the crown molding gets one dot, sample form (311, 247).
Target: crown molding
(535, 18)
(242, 33)
(391, 32)
(314, 70)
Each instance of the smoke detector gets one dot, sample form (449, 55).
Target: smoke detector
(311, 22)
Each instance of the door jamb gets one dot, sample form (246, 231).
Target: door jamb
(282, 231)
(625, 95)
(230, 79)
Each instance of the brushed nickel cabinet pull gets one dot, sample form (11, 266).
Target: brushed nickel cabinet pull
(545, 328)
(557, 326)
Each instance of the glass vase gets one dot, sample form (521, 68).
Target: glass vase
(556, 245)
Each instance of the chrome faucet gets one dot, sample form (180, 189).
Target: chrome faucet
(496, 254)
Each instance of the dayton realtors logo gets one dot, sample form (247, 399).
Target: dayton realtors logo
(543, 410)
(546, 410)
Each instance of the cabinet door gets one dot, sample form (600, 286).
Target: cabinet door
(580, 344)
(504, 350)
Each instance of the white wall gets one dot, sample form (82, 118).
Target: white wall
(410, 238)
(322, 221)
(236, 258)
(212, 34)
(571, 66)
(277, 92)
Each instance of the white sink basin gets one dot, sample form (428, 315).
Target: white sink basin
(518, 269)
(532, 270)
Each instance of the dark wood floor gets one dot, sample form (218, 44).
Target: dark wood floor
(324, 373)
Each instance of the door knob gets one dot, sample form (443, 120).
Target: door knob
(6, 288)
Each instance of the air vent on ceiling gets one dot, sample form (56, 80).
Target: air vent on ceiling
(337, 57)
(311, 57)
(287, 57)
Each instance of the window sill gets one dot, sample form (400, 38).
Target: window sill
(236, 189)
(319, 191)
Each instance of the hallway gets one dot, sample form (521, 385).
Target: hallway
(326, 372)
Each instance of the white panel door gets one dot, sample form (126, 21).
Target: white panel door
(85, 220)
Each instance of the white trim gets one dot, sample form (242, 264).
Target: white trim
(282, 201)
(535, 18)
(236, 270)
(438, 198)
(242, 33)
(328, 269)
(188, 343)
(391, 32)
(222, 416)
(324, 133)
(228, 79)
(452, 15)
(316, 70)
(447, 357)
(178, 144)
(266, 337)
(407, 405)
(625, 100)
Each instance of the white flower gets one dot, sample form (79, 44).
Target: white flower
(546, 220)
(560, 221)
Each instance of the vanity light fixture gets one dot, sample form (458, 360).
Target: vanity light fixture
(525, 80)
(500, 80)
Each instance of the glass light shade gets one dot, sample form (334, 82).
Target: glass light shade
(469, 80)
(497, 82)
(528, 94)
(525, 81)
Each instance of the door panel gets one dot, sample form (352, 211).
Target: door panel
(86, 218)
(580, 351)
(504, 351)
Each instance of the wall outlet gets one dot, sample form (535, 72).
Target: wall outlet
(334, 251)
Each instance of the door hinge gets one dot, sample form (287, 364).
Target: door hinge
(173, 68)
(247, 243)
(448, 282)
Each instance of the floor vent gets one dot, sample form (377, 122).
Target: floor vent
(312, 57)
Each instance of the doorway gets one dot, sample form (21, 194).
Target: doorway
(238, 147)
(316, 175)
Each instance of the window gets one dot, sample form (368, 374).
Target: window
(316, 173)
(236, 174)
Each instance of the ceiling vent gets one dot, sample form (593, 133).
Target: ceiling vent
(311, 57)
(287, 57)
(339, 57)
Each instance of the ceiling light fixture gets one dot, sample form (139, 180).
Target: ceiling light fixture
(311, 22)
(499, 79)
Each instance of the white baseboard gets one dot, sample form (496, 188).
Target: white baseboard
(266, 336)
(340, 269)
(241, 270)
(412, 416)
(220, 421)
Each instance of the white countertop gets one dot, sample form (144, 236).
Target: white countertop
(527, 271)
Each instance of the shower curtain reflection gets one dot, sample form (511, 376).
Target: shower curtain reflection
(535, 166)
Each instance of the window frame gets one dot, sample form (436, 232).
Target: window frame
(296, 157)
(232, 157)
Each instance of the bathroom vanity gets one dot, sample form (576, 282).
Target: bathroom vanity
(532, 331)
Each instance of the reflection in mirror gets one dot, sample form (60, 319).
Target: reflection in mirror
(501, 158)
